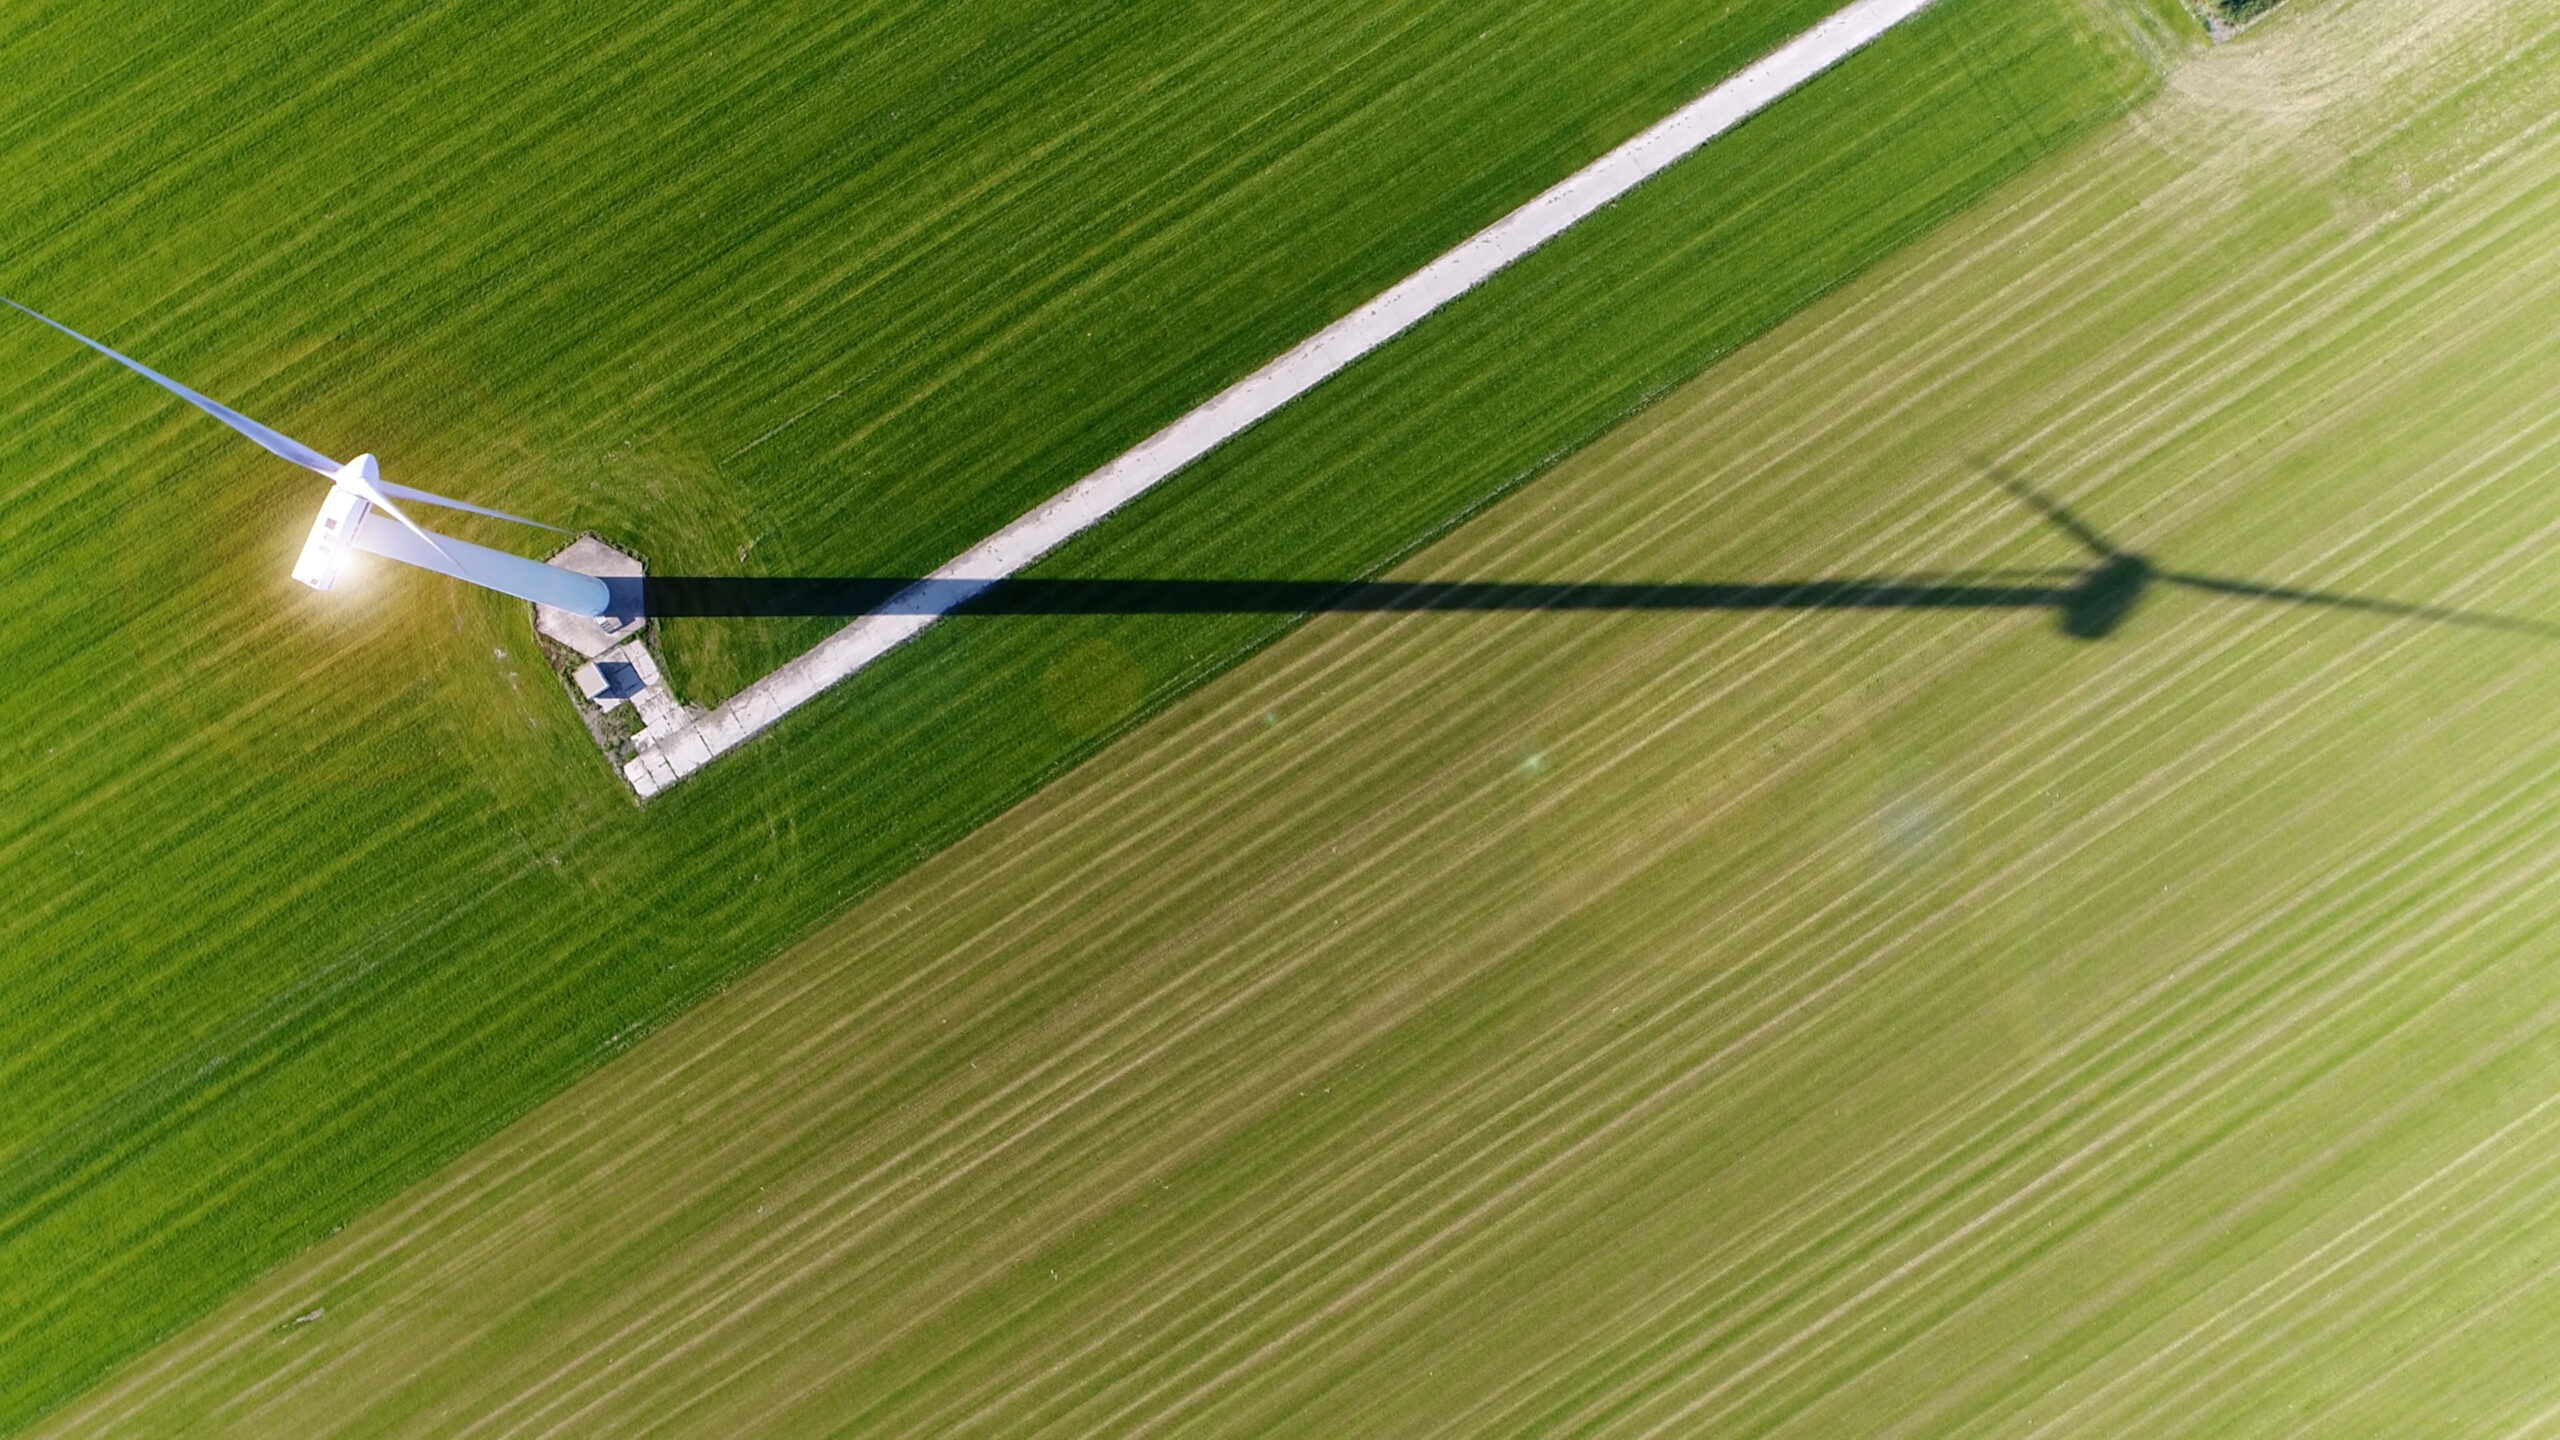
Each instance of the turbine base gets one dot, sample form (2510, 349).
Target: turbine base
(623, 576)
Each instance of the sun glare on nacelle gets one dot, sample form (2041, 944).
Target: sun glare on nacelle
(333, 534)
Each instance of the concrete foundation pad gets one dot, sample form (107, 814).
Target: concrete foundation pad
(622, 574)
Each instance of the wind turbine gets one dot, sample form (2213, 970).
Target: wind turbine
(348, 518)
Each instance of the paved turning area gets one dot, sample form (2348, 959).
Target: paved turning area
(613, 643)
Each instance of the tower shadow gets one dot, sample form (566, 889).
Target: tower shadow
(2090, 602)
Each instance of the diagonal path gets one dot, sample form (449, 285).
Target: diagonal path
(1240, 406)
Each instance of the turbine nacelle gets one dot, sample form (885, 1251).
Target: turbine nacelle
(333, 534)
(353, 488)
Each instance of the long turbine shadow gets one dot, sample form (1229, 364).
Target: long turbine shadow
(2090, 602)
(1042, 595)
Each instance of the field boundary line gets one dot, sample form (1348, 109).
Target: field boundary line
(1240, 406)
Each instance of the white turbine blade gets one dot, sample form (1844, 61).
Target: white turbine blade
(383, 502)
(354, 475)
(363, 475)
(429, 497)
(491, 569)
(276, 442)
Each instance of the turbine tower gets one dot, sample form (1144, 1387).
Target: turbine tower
(352, 516)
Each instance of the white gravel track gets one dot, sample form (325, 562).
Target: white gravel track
(1087, 502)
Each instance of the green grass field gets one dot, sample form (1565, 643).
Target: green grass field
(751, 292)
(1803, 1022)
(311, 896)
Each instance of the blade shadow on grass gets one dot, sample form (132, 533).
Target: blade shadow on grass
(2118, 579)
